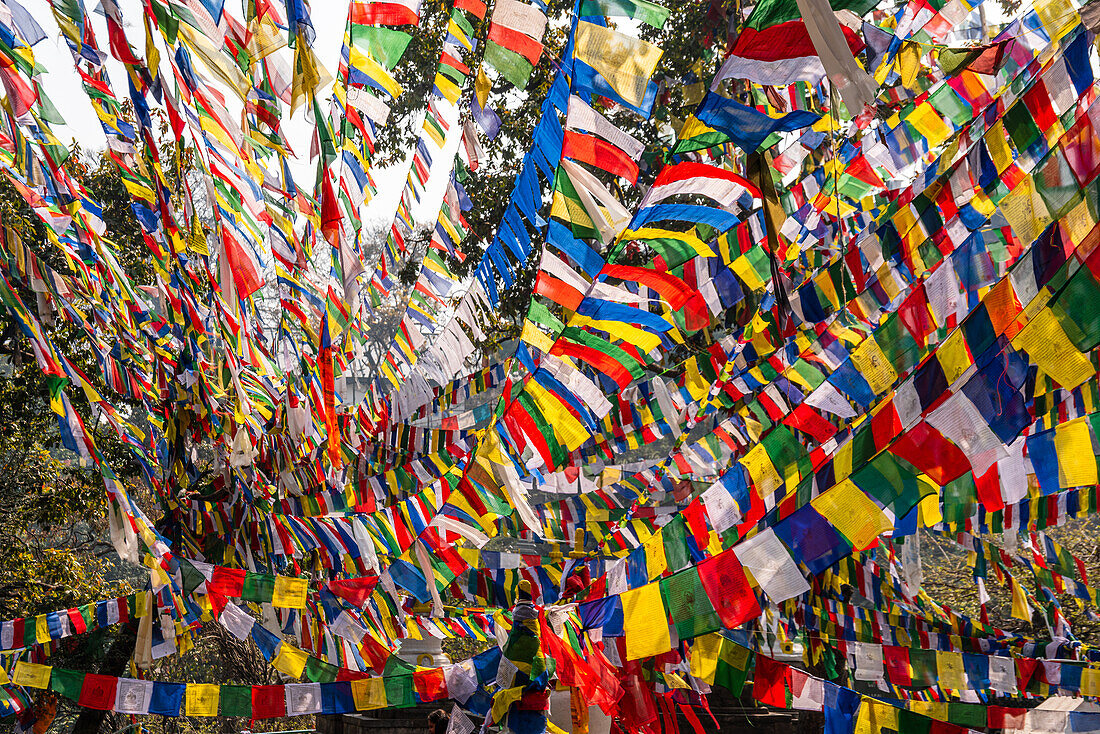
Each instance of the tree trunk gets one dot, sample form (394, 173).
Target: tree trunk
(114, 663)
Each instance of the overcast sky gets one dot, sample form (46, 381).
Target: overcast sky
(62, 85)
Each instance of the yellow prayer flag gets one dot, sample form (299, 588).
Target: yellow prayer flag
(645, 623)
(569, 431)
(932, 709)
(929, 510)
(996, 142)
(742, 267)
(1020, 608)
(202, 699)
(655, 562)
(368, 693)
(928, 123)
(842, 462)
(646, 341)
(954, 356)
(455, 30)
(290, 593)
(482, 86)
(693, 127)
(764, 475)
(853, 513)
(690, 238)
(290, 660)
(1059, 17)
(364, 63)
(32, 675)
(1025, 210)
(875, 716)
(697, 385)
(1076, 455)
(536, 338)
(734, 655)
(1090, 682)
(909, 63)
(1047, 345)
(504, 699)
(949, 666)
(1080, 220)
(450, 91)
(874, 366)
(627, 63)
(704, 656)
(41, 628)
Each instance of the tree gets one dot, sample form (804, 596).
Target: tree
(54, 552)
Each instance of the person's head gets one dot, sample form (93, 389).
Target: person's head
(437, 722)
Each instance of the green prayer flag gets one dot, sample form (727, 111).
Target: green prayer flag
(734, 664)
(538, 313)
(399, 690)
(1021, 126)
(960, 498)
(688, 604)
(258, 587)
(236, 701)
(68, 683)
(385, 45)
(773, 12)
(923, 665)
(971, 715)
(512, 66)
(647, 12)
(910, 722)
(675, 542)
(948, 103)
(954, 60)
(318, 671)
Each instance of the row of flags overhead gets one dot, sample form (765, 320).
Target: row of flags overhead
(878, 302)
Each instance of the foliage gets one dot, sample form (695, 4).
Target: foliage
(948, 579)
(694, 28)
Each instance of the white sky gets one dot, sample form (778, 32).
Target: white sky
(62, 85)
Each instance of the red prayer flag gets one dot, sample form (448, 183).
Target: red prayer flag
(988, 487)
(76, 620)
(521, 43)
(728, 589)
(989, 60)
(1025, 668)
(475, 7)
(268, 702)
(897, 665)
(605, 363)
(672, 289)
(558, 291)
(383, 14)
(1082, 150)
(916, 317)
(227, 581)
(242, 264)
(807, 420)
(98, 692)
(330, 213)
(430, 684)
(1002, 717)
(328, 388)
(769, 683)
(599, 153)
(357, 591)
(928, 450)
